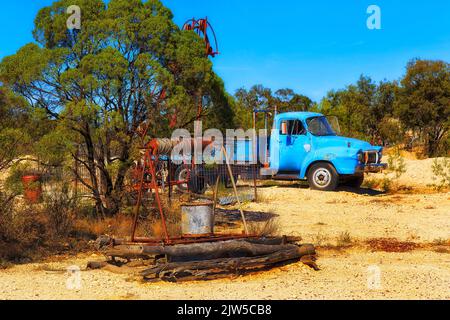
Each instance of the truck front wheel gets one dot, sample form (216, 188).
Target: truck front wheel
(322, 176)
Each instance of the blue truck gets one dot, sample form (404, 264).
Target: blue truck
(302, 146)
(309, 149)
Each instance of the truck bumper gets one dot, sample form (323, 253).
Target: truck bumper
(371, 168)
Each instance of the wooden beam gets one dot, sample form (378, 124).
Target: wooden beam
(218, 268)
(209, 250)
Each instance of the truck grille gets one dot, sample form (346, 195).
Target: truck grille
(371, 157)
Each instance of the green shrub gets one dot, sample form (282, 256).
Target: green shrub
(391, 130)
(441, 171)
(386, 183)
(396, 164)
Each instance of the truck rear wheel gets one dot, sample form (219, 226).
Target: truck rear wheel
(197, 183)
(322, 176)
(182, 174)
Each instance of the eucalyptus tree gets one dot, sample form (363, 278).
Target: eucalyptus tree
(128, 67)
(423, 102)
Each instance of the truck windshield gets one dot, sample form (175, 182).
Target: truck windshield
(319, 126)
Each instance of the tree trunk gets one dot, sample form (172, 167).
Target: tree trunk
(113, 191)
(434, 139)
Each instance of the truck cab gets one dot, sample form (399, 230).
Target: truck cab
(304, 146)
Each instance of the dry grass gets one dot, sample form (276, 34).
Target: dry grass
(444, 250)
(390, 186)
(344, 240)
(120, 226)
(321, 240)
(22, 230)
(32, 232)
(391, 245)
(149, 224)
(441, 242)
(269, 228)
(31, 236)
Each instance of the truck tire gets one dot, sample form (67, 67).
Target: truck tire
(182, 174)
(322, 176)
(197, 183)
(227, 180)
(355, 181)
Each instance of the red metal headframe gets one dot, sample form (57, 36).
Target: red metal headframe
(153, 150)
(202, 27)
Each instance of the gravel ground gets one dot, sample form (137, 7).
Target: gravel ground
(323, 217)
(320, 218)
(344, 275)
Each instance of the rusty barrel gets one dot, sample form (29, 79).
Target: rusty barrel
(197, 218)
(32, 188)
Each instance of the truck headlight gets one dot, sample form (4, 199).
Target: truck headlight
(360, 157)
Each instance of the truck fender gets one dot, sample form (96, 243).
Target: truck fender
(333, 155)
(304, 173)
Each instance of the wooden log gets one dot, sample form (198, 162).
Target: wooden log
(95, 265)
(275, 240)
(108, 266)
(127, 254)
(310, 261)
(260, 240)
(211, 250)
(121, 270)
(217, 268)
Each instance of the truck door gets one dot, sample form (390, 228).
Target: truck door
(293, 142)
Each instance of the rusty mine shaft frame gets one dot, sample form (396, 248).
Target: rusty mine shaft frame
(202, 27)
(152, 155)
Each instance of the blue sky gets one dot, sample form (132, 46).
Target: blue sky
(309, 46)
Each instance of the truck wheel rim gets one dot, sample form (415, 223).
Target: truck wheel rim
(322, 177)
(183, 176)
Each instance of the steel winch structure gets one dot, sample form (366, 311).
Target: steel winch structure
(148, 177)
(205, 30)
(156, 151)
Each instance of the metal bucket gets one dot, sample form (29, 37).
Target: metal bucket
(197, 219)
